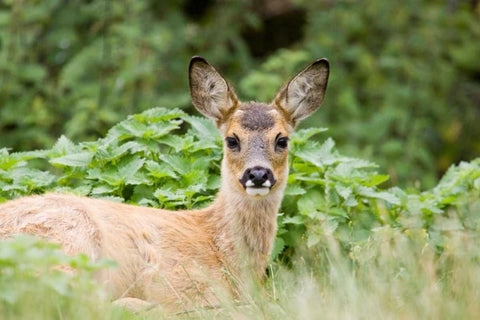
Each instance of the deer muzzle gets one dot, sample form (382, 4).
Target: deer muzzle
(258, 181)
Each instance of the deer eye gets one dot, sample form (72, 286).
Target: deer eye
(282, 143)
(232, 143)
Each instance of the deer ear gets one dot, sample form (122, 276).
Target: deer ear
(304, 93)
(210, 93)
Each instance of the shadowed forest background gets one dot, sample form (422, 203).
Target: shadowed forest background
(404, 88)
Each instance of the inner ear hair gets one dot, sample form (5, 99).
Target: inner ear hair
(210, 93)
(305, 92)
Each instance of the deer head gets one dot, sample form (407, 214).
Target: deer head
(256, 134)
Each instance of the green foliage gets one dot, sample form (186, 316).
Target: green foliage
(77, 68)
(138, 161)
(31, 278)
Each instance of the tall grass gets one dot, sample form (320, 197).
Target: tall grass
(393, 275)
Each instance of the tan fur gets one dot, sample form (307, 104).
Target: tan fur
(178, 259)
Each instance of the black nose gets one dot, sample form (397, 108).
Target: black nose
(258, 176)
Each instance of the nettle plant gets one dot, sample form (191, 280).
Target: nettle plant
(168, 159)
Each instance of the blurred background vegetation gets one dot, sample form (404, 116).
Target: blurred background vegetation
(404, 88)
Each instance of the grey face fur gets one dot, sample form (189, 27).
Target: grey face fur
(256, 117)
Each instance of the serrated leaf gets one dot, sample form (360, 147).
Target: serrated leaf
(298, 220)
(213, 182)
(341, 212)
(28, 155)
(103, 189)
(159, 115)
(129, 167)
(310, 202)
(204, 127)
(179, 164)
(164, 196)
(351, 202)
(131, 128)
(376, 180)
(278, 247)
(383, 195)
(303, 135)
(293, 190)
(343, 191)
(108, 175)
(64, 146)
(81, 159)
(178, 143)
(160, 170)
(318, 155)
(31, 178)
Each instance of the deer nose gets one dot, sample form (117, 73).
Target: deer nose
(258, 177)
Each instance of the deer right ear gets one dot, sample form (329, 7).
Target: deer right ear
(210, 93)
(304, 93)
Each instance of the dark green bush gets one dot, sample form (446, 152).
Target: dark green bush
(77, 68)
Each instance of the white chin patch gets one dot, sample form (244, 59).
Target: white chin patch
(257, 191)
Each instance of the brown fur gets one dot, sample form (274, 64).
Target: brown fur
(180, 259)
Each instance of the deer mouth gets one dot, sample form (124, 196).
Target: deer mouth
(254, 190)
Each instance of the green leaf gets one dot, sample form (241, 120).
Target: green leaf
(310, 202)
(160, 170)
(163, 115)
(129, 166)
(345, 192)
(64, 146)
(178, 163)
(318, 155)
(297, 220)
(383, 195)
(278, 247)
(103, 189)
(32, 72)
(81, 159)
(301, 136)
(294, 190)
(203, 127)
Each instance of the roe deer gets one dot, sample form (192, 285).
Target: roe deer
(177, 259)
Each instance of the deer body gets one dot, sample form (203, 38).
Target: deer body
(183, 259)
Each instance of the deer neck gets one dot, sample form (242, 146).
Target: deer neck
(246, 226)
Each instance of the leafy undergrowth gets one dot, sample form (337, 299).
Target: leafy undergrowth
(345, 247)
(38, 281)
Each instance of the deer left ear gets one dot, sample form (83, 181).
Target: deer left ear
(210, 93)
(305, 92)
